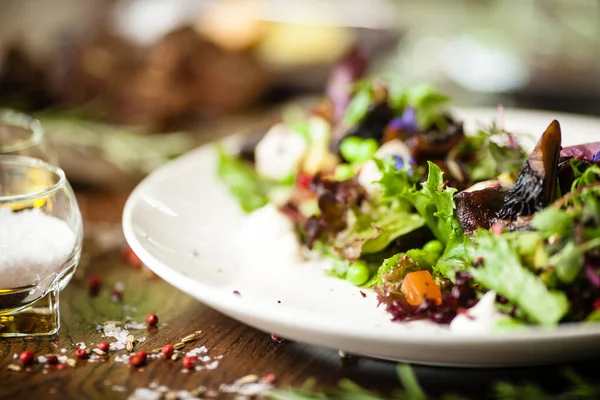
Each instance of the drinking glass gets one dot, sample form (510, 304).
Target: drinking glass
(23, 135)
(40, 244)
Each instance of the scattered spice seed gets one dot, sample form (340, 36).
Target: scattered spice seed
(138, 359)
(51, 359)
(94, 284)
(27, 357)
(237, 293)
(129, 345)
(81, 353)
(276, 338)
(246, 379)
(103, 346)
(71, 362)
(198, 392)
(152, 319)
(179, 346)
(99, 352)
(171, 395)
(269, 378)
(168, 350)
(192, 337)
(189, 362)
(14, 367)
(116, 295)
(176, 356)
(363, 294)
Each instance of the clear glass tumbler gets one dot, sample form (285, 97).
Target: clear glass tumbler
(23, 135)
(40, 244)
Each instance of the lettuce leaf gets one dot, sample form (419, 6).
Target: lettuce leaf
(436, 205)
(250, 189)
(503, 272)
(372, 231)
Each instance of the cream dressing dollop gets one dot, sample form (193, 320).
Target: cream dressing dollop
(269, 235)
(481, 318)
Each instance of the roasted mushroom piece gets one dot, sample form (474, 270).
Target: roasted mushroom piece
(433, 144)
(373, 124)
(535, 187)
(478, 209)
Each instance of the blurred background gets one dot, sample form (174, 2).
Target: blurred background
(122, 86)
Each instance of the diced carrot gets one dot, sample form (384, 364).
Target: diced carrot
(419, 286)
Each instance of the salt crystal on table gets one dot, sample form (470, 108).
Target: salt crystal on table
(33, 247)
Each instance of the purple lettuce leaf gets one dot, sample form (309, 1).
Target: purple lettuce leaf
(587, 151)
(350, 68)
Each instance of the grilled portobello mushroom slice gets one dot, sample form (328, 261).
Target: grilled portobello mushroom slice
(535, 187)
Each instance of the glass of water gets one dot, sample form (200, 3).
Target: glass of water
(23, 135)
(40, 244)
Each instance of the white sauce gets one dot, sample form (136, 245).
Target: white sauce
(269, 235)
(369, 173)
(280, 152)
(481, 318)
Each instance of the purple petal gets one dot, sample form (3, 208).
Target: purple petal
(406, 122)
(399, 164)
(350, 68)
(587, 151)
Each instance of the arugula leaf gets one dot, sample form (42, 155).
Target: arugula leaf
(502, 272)
(250, 189)
(455, 257)
(568, 262)
(570, 259)
(391, 226)
(427, 102)
(372, 231)
(359, 105)
(385, 267)
(552, 221)
(436, 206)
(589, 176)
(395, 183)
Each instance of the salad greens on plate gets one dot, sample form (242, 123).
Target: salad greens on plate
(446, 225)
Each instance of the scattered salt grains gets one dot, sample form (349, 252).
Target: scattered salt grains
(196, 351)
(135, 325)
(16, 355)
(63, 351)
(62, 359)
(118, 388)
(41, 359)
(33, 245)
(245, 390)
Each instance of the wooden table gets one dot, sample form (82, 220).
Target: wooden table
(245, 350)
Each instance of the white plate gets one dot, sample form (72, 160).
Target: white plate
(182, 223)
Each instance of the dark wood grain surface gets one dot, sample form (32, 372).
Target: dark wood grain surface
(245, 350)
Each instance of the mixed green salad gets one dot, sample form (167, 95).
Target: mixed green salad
(382, 179)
